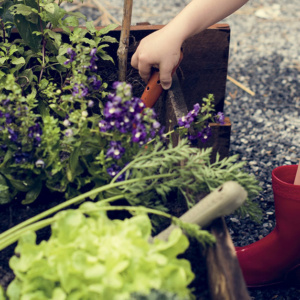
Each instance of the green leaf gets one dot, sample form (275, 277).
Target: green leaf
(4, 191)
(43, 109)
(50, 7)
(6, 14)
(56, 36)
(106, 57)
(74, 162)
(3, 59)
(14, 290)
(78, 15)
(107, 29)
(109, 39)
(26, 78)
(21, 9)
(32, 194)
(90, 26)
(20, 185)
(52, 13)
(18, 60)
(26, 29)
(71, 21)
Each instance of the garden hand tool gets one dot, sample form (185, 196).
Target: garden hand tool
(222, 201)
(154, 89)
(276, 258)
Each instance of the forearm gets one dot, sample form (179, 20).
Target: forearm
(200, 14)
(162, 48)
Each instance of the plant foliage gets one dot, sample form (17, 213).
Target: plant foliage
(89, 256)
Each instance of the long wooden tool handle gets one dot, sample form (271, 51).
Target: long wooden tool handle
(222, 201)
(154, 89)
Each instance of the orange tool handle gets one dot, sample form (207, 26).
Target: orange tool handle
(154, 89)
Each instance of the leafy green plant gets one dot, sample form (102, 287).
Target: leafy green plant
(89, 256)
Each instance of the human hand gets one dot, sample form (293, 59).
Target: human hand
(160, 50)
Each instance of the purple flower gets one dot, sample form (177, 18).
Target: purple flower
(12, 134)
(112, 110)
(114, 170)
(72, 55)
(9, 118)
(35, 133)
(96, 84)
(22, 157)
(187, 120)
(80, 90)
(220, 118)
(69, 132)
(93, 52)
(156, 124)
(194, 113)
(116, 84)
(116, 150)
(103, 126)
(93, 60)
(139, 134)
(91, 103)
(84, 90)
(5, 102)
(204, 134)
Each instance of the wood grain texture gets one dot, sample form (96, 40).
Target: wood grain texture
(224, 274)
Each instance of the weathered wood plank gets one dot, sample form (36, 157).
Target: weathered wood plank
(224, 274)
(204, 71)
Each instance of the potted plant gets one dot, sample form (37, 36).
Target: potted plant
(69, 128)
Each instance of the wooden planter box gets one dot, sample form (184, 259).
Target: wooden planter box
(203, 71)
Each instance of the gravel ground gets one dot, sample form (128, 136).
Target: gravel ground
(265, 57)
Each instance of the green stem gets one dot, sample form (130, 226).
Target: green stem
(112, 199)
(76, 200)
(144, 157)
(10, 239)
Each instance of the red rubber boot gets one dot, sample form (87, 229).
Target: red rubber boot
(276, 258)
